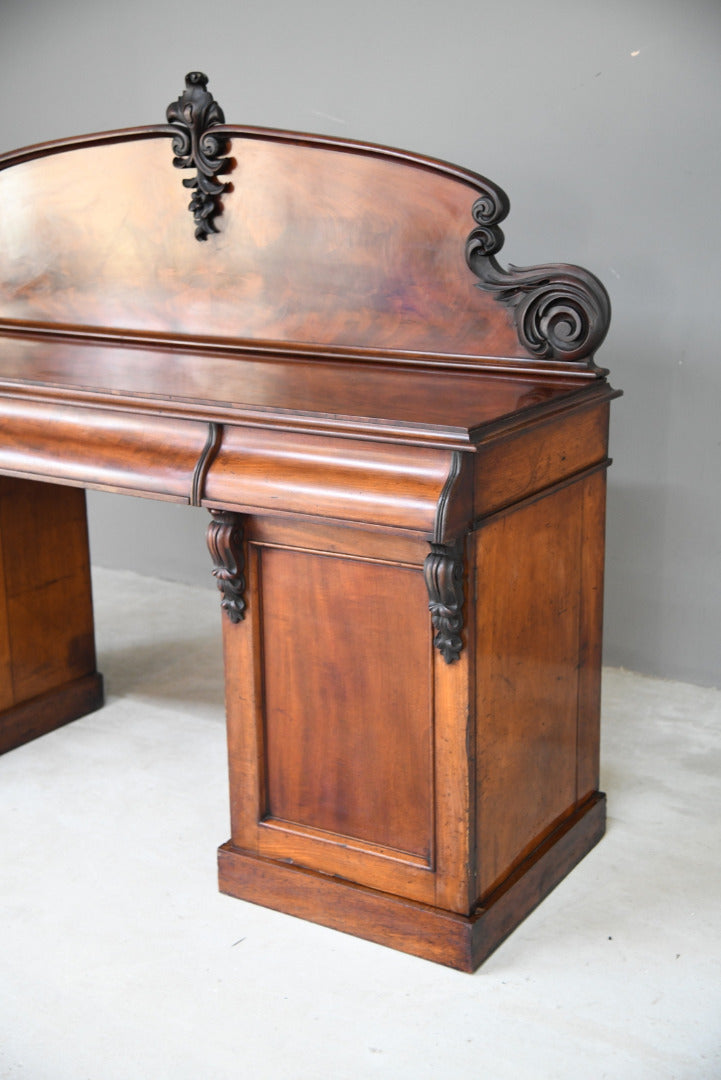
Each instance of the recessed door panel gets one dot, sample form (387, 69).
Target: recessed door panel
(348, 734)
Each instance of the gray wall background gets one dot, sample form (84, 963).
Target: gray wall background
(602, 120)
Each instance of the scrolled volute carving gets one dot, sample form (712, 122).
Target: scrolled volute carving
(443, 574)
(225, 544)
(561, 312)
(487, 211)
(195, 145)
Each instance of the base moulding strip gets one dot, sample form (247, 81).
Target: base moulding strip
(458, 941)
(37, 716)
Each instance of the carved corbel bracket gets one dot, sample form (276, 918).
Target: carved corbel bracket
(225, 544)
(195, 113)
(561, 312)
(443, 573)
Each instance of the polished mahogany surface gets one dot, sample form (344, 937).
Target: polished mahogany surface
(403, 450)
(455, 403)
(47, 646)
(316, 246)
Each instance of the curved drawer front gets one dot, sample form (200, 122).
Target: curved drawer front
(101, 448)
(370, 483)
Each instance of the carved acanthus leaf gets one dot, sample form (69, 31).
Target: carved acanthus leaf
(225, 544)
(195, 145)
(443, 573)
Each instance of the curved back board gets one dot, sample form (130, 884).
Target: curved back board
(314, 243)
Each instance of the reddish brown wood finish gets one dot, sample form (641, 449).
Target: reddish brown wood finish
(281, 390)
(513, 723)
(328, 479)
(363, 687)
(325, 375)
(529, 459)
(47, 648)
(323, 247)
(590, 634)
(458, 941)
(528, 574)
(331, 750)
(103, 448)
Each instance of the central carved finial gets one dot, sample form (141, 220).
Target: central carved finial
(195, 113)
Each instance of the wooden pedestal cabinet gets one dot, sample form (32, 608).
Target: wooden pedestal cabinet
(402, 446)
(47, 643)
(423, 801)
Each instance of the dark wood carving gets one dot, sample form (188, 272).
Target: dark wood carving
(561, 312)
(443, 573)
(225, 543)
(195, 146)
(206, 459)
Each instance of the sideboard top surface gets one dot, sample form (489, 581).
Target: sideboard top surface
(455, 407)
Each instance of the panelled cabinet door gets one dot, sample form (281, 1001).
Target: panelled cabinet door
(344, 745)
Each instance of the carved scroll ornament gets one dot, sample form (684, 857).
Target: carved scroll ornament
(225, 543)
(195, 113)
(561, 312)
(443, 573)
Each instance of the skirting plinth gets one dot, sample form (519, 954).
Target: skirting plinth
(28, 720)
(458, 941)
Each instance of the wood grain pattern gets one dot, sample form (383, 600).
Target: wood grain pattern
(324, 371)
(47, 646)
(101, 448)
(6, 681)
(455, 775)
(349, 213)
(528, 566)
(330, 479)
(312, 393)
(309, 685)
(314, 246)
(528, 460)
(348, 722)
(590, 634)
(445, 937)
(39, 715)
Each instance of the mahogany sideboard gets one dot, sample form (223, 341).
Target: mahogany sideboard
(403, 448)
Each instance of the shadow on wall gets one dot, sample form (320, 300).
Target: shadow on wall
(654, 617)
(153, 538)
(633, 622)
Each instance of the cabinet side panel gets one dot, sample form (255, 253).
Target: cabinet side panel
(528, 607)
(591, 631)
(47, 585)
(6, 680)
(528, 461)
(348, 729)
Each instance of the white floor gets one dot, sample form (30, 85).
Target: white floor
(119, 960)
